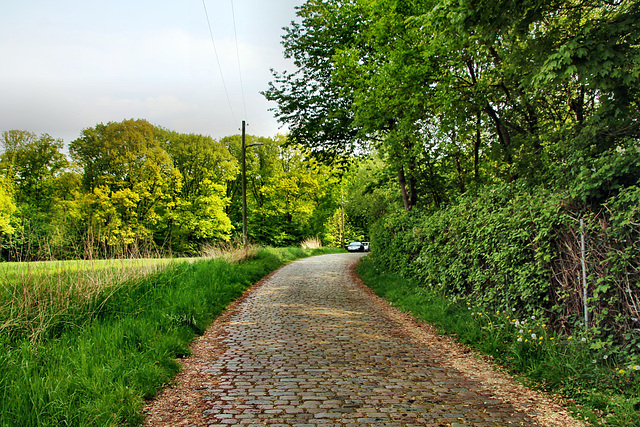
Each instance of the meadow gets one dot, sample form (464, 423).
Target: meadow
(88, 343)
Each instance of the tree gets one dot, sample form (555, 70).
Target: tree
(316, 108)
(7, 208)
(32, 167)
(32, 163)
(67, 217)
(592, 60)
(455, 94)
(321, 106)
(206, 167)
(131, 178)
(289, 196)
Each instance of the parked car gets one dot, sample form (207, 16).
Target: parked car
(355, 247)
(367, 246)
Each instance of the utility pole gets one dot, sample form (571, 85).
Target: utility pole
(244, 187)
(244, 182)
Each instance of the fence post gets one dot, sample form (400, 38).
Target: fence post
(584, 274)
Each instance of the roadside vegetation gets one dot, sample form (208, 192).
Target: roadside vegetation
(598, 388)
(502, 271)
(489, 151)
(84, 346)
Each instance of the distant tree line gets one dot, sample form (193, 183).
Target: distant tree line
(132, 189)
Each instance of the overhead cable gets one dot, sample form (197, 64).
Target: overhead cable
(218, 61)
(235, 33)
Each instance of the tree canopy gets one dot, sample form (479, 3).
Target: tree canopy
(457, 94)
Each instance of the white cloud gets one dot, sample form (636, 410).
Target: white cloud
(161, 107)
(68, 65)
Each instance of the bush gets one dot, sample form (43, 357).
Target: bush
(496, 247)
(513, 250)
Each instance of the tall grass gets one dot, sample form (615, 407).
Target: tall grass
(231, 251)
(38, 298)
(604, 392)
(311, 243)
(111, 350)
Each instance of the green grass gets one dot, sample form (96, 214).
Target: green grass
(19, 269)
(598, 389)
(101, 360)
(37, 299)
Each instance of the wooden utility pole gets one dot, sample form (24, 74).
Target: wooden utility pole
(244, 187)
(244, 181)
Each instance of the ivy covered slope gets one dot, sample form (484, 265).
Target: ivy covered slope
(519, 251)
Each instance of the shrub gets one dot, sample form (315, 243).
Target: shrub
(509, 249)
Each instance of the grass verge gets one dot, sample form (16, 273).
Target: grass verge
(102, 360)
(599, 391)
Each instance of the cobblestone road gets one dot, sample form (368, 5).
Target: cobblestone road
(308, 347)
(311, 346)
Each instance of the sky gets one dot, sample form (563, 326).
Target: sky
(67, 65)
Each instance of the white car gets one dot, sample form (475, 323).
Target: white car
(355, 247)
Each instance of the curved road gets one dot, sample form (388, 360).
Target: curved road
(310, 346)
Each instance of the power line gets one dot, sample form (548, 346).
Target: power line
(235, 33)
(226, 91)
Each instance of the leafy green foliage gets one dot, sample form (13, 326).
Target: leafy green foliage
(289, 196)
(508, 249)
(601, 385)
(7, 208)
(131, 178)
(315, 107)
(198, 211)
(37, 187)
(459, 94)
(32, 164)
(495, 248)
(367, 194)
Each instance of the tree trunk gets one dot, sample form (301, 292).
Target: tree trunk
(577, 105)
(503, 133)
(413, 184)
(403, 188)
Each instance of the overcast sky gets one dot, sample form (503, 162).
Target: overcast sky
(67, 65)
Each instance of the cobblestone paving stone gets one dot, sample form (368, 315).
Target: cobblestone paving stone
(309, 348)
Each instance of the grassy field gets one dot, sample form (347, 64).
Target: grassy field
(85, 344)
(37, 298)
(597, 389)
